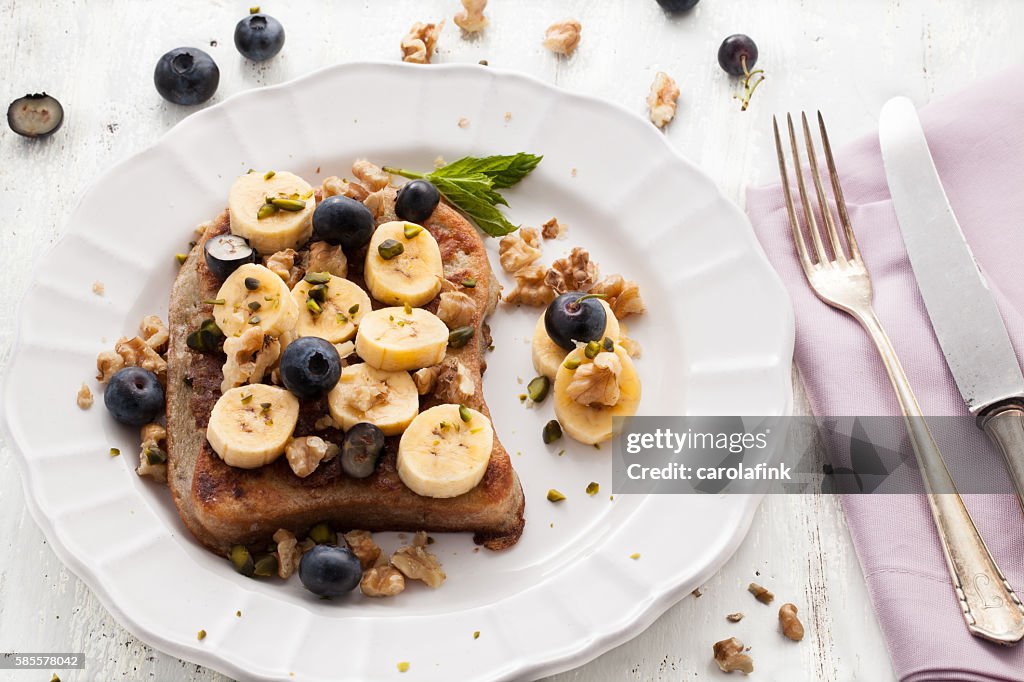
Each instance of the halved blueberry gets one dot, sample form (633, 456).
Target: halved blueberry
(38, 115)
(226, 252)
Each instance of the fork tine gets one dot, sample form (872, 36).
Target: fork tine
(826, 212)
(798, 237)
(837, 192)
(812, 224)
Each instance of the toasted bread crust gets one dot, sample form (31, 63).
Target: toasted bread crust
(223, 506)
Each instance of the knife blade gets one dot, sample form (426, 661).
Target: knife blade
(959, 302)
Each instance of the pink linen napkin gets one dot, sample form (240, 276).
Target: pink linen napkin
(977, 140)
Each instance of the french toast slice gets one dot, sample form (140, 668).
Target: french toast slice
(224, 506)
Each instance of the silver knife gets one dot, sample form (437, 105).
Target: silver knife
(961, 307)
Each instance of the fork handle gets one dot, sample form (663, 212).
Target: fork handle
(990, 606)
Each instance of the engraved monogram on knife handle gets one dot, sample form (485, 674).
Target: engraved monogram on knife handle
(1004, 425)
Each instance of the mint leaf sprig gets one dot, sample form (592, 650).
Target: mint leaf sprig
(471, 183)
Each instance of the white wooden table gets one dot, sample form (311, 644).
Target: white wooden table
(845, 57)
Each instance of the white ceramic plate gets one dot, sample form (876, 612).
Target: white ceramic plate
(717, 340)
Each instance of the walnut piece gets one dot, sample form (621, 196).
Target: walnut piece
(249, 356)
(563, 37)
(153, 455)
(426, 379)
(631, 346)
(596, 383)
(734, 617)
(382, 581)
(553, 229)
(760, 593)
(420, 539)
(335, 186)
(531, 287)
(729, 656)
(519, 249)
(305, 454)
(456, 309)
(154, 332)
(84, 396)
(107, 364)
(287, 265)
(418, 45)
(575, 272)
(98, 288)
(661, 102)
(370, 175)
(363, 546)
(471, 19)
(362, 391)
(791, 625)
(377, 202)
(416, 563)
(130, 353)
(324, 257)
(621, 294)
(455, 383)
(288, 553)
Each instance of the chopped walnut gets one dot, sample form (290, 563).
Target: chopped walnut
(426, 379)
(530, 288)
(377, 202)
(153, 455)
(621, 294)
(287, 265)
(563, 37)
(760, 593)
(107, 364)
(154, 332)
(130, 353)
(249, 356)
(630, 345)
(734, 617)
(471, 19)
(382, 581)
(288, 553)
(325, 422)
(416, 563)
(335, 186)
(84, 396)
(305, 454)
(575, 272)
(98, 288)
(791, 625)
(363, 546)
(455, 383)
(363, 391)
(662, 99)
(418, 45)
(597, 382)
(519, 249)
(729, 656)
(553, 229)
(371, 175)
(456, 309)
(324, 257)
(420, 539)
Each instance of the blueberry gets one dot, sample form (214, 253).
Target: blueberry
(677, 5)
(341, 220)
(38, 115)
(575, 316)
(225, 253)
(737, 54)
(416, 200)
(330, 571)
(134, 396)
(186, 75)
(259, 37)
(361, 450)
(310, 367)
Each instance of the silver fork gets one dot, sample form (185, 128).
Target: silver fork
(838, 276)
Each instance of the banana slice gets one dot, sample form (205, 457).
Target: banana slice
(250, 425)
(335, 310)
(395, 339)
(593, 424)
(388, 400)
(548, 355)
(253, 295)
(414, 275)
(441, 455)
(279, 228)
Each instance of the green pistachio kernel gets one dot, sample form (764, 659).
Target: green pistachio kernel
(284, 204)
(465, 414)
(313, 306)
(254, 305)
(181, 258)
(555, 496)
(241, 559)
(318, 293)
(322, 534)
(460, 336)
(571, 363)
(354, 309)
(215, 301)
(469, 282)
(317, 277)
(389, 248)
(538, 388)
(407, 308)
(255, 319)
(252, 283)
(608, 345)
(269, 174)
(114, 452)
(411, 230)
(592, 349)
(265, 211)
(254, 10)
(593, 488)
(552, 432)
(265, 566)
(155, 455)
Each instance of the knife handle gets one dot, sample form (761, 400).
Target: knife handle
(1004, 424)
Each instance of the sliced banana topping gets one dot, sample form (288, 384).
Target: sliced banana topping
(396, 339)
(591, 423)
(254, 296)
(329, 307)
(250, 425)
(274, 211)
(548, 355)
(445, 451)
(388, 400)
(403, 264)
